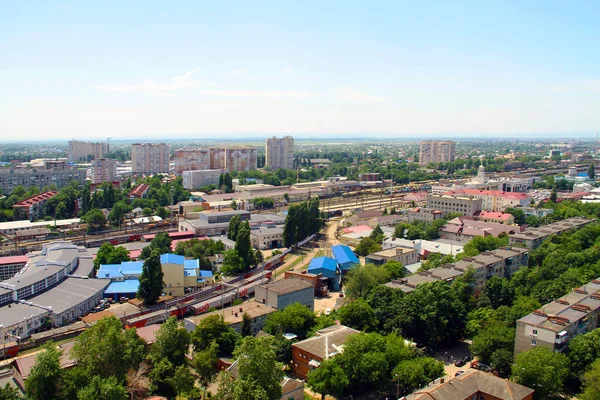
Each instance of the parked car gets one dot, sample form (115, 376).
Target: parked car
(462, 361)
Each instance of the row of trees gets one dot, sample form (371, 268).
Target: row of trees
(302, 220)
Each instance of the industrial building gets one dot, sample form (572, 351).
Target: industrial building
(280, 294)
(345, 257)
(195, 179)
(329, 269)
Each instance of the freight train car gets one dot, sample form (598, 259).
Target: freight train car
(151, 318)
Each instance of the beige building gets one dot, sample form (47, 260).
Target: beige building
(436, 151)
(234, 316)
(266, 238)
(280, 294)
(103, 170)
(556, 323)
(280, 153)
(196, 179)
(533, 238)
(423, 214)
(240, 158)
(149, 158)
(449, 203)
(192, 160)
(79, 150)
(404, 255)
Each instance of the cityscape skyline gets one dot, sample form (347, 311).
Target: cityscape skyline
(90, 71)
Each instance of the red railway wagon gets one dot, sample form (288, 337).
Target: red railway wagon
(9, 349)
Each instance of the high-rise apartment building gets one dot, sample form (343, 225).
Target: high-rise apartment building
(233, 158)
(85, 151)
(192, 160)
(240, 158)
(149, 158)
(436, 151)
(103, 170)
(280, 153)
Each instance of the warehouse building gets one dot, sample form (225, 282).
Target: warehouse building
(282, 293)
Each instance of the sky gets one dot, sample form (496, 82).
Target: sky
(359, 69)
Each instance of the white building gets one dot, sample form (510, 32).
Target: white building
(196, 179)
(280, 153)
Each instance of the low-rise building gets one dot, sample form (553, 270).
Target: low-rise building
(345, 257)
(472, 385)
(556, 323)
(234, 315)
(266, 238)
(280, 294)
(464, 229)
(495, 217)
(404, 255)
(423, 214)
(495, 200)
(33, 207)
(308, 354)
(451, 204)
(10, 265)
(197, 179)
(537, 212)
(533, 238)
(139, 192)
(329, 269)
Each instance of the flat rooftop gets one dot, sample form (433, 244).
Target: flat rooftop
(286, 286)
(69, 293)
(234, 314)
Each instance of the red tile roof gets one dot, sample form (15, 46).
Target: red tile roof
(495, 215)
(13, 260)
(36, 199)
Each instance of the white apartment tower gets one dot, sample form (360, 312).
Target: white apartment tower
(280, 153)
(103, 170)
(150, 158)
(436, 151)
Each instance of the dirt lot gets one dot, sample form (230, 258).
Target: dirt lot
(323, 303)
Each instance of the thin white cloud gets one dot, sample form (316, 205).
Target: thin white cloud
(184, 81)
(239, 72)
(589, 86)
(287, 71)
(64, 6)
(350, 94)
(260, 94)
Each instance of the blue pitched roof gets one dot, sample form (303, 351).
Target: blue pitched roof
(206, 274)
(132, 267)
(344, 254)
(326, 263)
(171, 258)
(109, 271)
(127, 286)
(191, 264)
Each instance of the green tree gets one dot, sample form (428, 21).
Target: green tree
(377, 234)
(583, 350)
(395, 269)
(205, 363)
(215, 329)
(492, 339)
(103, 389)
(151, 280)
(328, 379)
(358, 315)
(553, 195)
(591, 382)
(95, 219)
(257, 366)
(118, 211)
(109, 254)
(541, 370)
(498, 291)
(295, 318)
(367, 246)
(246, 325)
(413, 374)
(8, 393)
(258, 255)
(234, 224)
(363, 279)
(243, 246)
(172, 342)
(591, 172)
(44, 377)
(233, 263)
(182, 381)
(105, 349)
(519, 215)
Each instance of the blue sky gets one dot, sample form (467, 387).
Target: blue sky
(358, 69)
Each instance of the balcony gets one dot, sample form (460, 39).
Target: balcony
(561, 338)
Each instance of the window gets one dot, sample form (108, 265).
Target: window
(533, 342)
(535, 332)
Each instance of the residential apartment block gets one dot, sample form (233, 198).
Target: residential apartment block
(423, 214)
(436, 151)
(532, 238)
(234, 316)
(103, 170)
(231, 158)
(31, 177)
(150, 158)
(33, 207)
(84, 151)
(501, 262)
(556, 323)
(279, 153)
(197, 178)
(450, 203)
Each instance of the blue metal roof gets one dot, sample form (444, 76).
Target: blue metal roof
(191, 264)
(171, 258)
(344, 254)
(206, 274)
(132, 267)
(109, 271)
(127, 286)
(324, 263)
